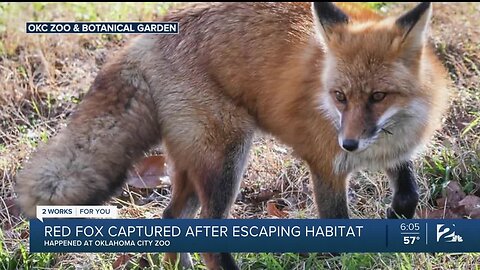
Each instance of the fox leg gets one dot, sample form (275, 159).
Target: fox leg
(210, 141)
(215, 184)
(184, 204)
(330, 195)
(405, 194)
(217, 188)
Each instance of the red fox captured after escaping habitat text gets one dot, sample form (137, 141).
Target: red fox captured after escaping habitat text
(345, 88)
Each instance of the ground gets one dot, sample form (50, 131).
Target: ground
(44, 77)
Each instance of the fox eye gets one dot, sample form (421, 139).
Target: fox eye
(340, 97)
(378, 96)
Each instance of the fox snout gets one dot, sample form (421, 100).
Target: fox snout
(356, 134)
(352, 143)
(357, 144)
(349, 145)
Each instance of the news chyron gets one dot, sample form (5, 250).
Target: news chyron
(99, 229)
(102, 28)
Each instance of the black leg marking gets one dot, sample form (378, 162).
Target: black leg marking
(405, 194)
(221, 192)
(189, 210)
(225, 186)
(228, 262)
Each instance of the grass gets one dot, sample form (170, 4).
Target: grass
(43, 78)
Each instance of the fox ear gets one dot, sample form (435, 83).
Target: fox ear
(327, 16)
(414, 25)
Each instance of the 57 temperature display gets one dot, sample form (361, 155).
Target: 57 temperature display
(410, 232)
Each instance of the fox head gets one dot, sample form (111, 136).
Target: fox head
(371, 72)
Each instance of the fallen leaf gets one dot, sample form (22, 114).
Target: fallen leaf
(121, 260)
(149, 172)
(438, 214)
(24, 234)
(143, 263)
(263, 196)
(459, 211)
(453, 194)
(273, 209)
(441, 202)
(475, 213)
(470, 202)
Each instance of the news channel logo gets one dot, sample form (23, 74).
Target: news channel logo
(447, 234)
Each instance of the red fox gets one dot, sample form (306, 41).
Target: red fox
(346, 89)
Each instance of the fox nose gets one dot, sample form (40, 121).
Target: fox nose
(350, 145)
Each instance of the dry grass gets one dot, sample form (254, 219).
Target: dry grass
(43, 77)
